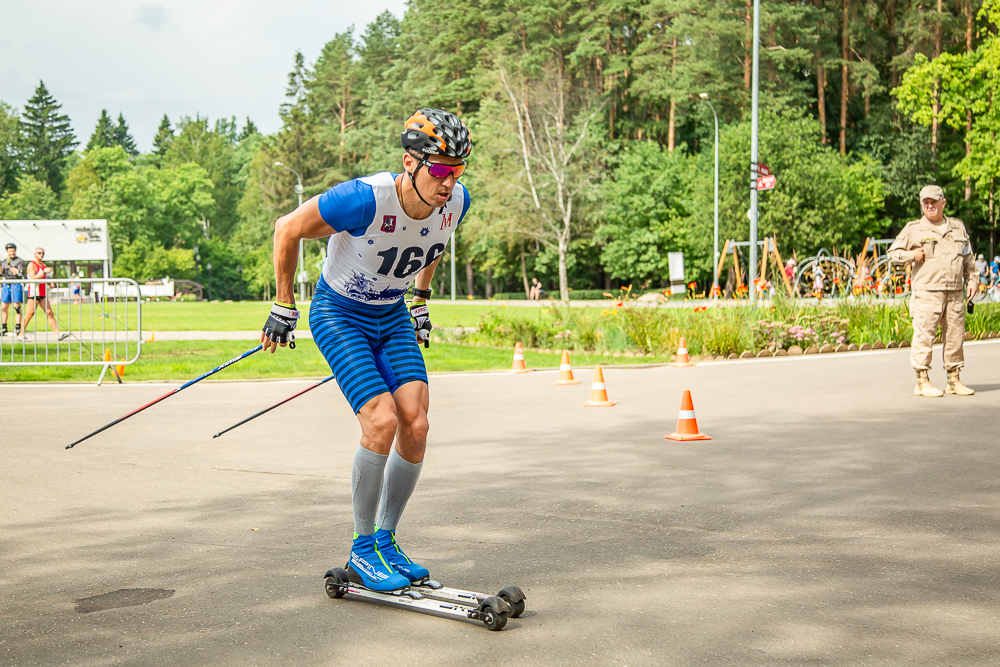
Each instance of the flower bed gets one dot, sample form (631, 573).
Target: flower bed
(708, 331)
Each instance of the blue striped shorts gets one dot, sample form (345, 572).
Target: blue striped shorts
(371, 349)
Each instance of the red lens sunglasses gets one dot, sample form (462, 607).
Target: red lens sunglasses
(442, 171)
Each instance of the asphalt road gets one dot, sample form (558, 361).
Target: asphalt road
(833, 519)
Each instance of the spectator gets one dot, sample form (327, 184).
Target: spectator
(75, 289)
(790, 270)
(37, 270)
(982, 268)
(819, 281)
(995, 271)
(11, 269)
(535, 292)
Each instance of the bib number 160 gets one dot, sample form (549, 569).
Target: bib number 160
(410, 261)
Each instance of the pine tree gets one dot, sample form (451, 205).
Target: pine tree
(164, 137)
(10, 142)
(248, 130)
(47, 138)
(123, 137)
(104, 133)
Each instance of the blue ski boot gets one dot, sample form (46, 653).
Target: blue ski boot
(370, 569)
(394, 555)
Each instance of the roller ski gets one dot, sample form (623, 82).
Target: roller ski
(420, 579)
(370, 575)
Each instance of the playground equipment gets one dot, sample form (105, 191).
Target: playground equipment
(769, 249)
(871, 273)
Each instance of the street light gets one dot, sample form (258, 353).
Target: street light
(754, 124)
(302, 267)
(715, 264)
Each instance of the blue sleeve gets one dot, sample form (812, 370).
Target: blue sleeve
(348, 207)
(465, 205)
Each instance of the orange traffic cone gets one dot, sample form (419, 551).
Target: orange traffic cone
(682, 355)
(566, 370)
(107, 354)
(598, 394)
(518, 364)
(152, 337)
(687, 424)
(121, 370)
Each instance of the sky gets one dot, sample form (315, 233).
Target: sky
(217, 58)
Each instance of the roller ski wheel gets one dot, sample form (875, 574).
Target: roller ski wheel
(511, 595)
(492, 611)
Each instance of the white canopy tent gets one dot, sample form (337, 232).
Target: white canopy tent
(83, 244)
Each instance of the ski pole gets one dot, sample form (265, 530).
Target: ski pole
(168, 395)
(258, 414)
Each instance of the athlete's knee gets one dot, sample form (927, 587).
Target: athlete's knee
(381, 419)
(416, 423)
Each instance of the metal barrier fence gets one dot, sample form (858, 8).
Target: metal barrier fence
(78, 322)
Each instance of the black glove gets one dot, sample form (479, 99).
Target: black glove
(421, 322)
(280, 324)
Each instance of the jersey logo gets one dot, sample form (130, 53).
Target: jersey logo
(388, 224)
(445, 220)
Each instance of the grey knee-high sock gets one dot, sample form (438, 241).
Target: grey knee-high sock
(400, 479)
(366, 484)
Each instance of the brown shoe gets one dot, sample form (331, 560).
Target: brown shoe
(925, 388)
(955, 385)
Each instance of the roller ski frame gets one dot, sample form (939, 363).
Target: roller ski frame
(431, 596)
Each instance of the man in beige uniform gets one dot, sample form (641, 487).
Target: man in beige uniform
(938, 247)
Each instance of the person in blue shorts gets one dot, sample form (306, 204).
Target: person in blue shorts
(11, 269)
(387, 232)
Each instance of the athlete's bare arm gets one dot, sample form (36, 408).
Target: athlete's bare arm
(424, 276)
(305, 222)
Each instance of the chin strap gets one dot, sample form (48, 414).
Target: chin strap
(413, 183)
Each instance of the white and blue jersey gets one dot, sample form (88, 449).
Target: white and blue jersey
(357, 316)
(380, 249)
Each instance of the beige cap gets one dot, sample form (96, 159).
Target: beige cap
(931, 192)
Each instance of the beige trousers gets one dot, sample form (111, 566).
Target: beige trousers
(929, 310)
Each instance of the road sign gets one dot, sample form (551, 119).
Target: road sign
(766, 182)
(763, 170)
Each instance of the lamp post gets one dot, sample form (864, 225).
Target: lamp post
(715, 254)
(239, 273)
(302, 267)
(754, 125)
(208, 283)
(197, 266)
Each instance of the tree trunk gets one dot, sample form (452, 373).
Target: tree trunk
(524, 272)
(937, 81)
(891, 30)
(821, 96)
(844, 81)
(673, 104)
(748, 61)
(563, 277)
(993, 222)
(968, 112)
(469, 282)
(489, 283)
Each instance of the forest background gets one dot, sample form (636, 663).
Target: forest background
(592, 149)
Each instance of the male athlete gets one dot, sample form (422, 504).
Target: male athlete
(388, 232)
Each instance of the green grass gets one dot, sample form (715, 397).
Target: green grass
(186, 360)
(250, 315)
(208, 316)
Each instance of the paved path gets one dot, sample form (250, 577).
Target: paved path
(834, 519)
